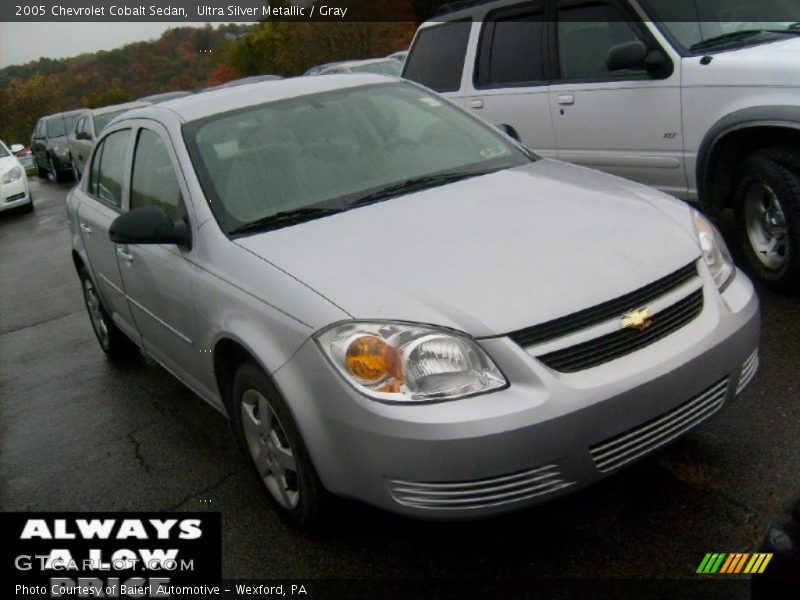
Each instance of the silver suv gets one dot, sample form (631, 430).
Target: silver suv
(393, 301)
(698, 98)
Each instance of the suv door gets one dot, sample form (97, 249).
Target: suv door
(101, 203)
(509, 83)
(158, 277)
(627, 122)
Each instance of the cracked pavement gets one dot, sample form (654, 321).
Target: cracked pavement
(77, 433)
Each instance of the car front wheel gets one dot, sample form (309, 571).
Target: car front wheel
(768, 220)
(265, 428)
(53, 170)
(115, 344)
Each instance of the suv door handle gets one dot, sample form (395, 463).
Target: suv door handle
(86, 229)
(476, 103)
(124, 254)
(566, 99)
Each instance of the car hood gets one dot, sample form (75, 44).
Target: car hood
(770, 64)
(491, 254)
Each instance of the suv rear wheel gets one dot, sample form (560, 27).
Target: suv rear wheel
(53, 170)
(767, 201)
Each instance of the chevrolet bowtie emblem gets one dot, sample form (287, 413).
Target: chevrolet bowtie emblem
(637, 319)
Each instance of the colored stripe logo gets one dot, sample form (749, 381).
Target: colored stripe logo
(734, 563)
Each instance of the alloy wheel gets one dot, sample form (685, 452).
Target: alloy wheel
(270, 448)
(765, 224)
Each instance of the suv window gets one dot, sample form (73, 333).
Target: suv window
(154, 182)
(436, 59)
(586, 34)
(108, 167)
(79, 128)
(511, 50)
(39, 129)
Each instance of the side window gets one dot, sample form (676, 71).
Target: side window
(94, 171)
(436, 59)
(79, 128)
(154, 182)
(108, 179)
(39, 132)
(585, 35)
(511, 50)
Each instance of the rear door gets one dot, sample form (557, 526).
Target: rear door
(627, 122)
(39, 144)
(158, 277)
(508, 85)
(101, 203)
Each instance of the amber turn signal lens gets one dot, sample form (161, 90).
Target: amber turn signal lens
(370, 359)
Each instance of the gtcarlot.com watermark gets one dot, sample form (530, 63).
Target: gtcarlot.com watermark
(113, 555)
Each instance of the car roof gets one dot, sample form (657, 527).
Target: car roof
(66, 113)
(211, 102)
(115, 107)
(454, 11)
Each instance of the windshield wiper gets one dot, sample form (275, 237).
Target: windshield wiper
(416, 184)
(730, 37)
(285, 218)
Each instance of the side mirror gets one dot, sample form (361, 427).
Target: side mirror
(635, 55)
(83, 135)
(149, 225)
(509, 131)
(17, 148)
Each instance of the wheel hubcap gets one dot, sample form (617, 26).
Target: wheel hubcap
(96, 313)
(766, 226)
(270, 449)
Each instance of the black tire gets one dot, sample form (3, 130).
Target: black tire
(39, 170)
(28, 208)
(311, 495)
(53, 170)
(117, 346)
(767, 206)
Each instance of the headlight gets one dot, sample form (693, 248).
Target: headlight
(715, 251)
(400, 362)
(13, 175)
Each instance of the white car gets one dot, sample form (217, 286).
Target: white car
(14, 189)
(698, 98)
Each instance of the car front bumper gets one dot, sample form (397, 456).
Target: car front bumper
(547, 434)
(14, 194)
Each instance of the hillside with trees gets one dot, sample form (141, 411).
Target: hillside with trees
(185, 58)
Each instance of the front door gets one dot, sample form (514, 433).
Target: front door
(158, 277)
(627, 122)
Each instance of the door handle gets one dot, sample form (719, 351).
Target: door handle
(124, 254)
(86, 229)
(476, 103)
(566, 99)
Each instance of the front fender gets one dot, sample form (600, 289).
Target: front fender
(755, 116)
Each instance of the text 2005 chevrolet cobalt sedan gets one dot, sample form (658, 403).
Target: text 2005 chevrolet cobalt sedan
(394, 302)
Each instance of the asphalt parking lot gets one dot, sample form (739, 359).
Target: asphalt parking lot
(77, 433)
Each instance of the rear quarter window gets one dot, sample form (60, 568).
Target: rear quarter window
(436, 59)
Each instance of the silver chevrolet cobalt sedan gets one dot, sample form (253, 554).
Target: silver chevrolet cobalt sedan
(392, 301)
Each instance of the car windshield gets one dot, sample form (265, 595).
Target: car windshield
(58, 126)
(3, 151)
(337, 150)
(708, 24)
(100, 121)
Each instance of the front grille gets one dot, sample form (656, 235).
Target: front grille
(619, 343)
(749, 369)
(480, 493)
(605, 311)
(635, 443)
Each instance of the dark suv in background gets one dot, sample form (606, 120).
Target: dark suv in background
(49, 144)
